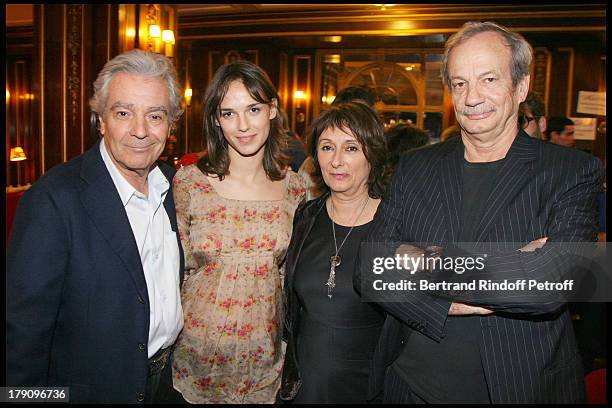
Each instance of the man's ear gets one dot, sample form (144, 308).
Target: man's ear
(101, 125)
(542, 124)
(273, 108)
(523, 88)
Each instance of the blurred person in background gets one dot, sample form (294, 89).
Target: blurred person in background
(450, 132)
(560, 131)
(402, 138)
(531, 116)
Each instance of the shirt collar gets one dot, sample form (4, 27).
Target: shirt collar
(158, 183)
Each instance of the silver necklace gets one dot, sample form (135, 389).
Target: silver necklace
(335, 259)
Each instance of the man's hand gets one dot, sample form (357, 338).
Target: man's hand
(533, 245)
(415, 252)
(461, 309)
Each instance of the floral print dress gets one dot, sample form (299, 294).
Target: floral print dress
(230, 349)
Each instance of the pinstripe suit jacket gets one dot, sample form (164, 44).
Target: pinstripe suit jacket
(528, 350)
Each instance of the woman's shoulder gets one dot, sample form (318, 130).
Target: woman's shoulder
(190, 174)
(296, 185)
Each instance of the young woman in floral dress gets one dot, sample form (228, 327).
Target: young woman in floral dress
(235, 210)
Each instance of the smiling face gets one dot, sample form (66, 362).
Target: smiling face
(485, 100)
(344, 166)
(135, 123)
(245, 122)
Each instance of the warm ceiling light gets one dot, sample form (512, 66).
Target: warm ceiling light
(332, 59)
(168, 36)
(383, 7)
(333, 38)
(17, 154)
(154, 31)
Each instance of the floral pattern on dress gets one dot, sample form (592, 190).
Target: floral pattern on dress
(230, 349)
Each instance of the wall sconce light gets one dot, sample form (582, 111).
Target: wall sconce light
(329, 99)
(168, 39)
(168, 36)
(299, 96)
(8, 95)
(154, 31)
(188, 93)
(17, 154)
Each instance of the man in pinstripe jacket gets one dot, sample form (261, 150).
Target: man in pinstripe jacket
(491, 185)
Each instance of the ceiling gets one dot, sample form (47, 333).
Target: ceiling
(307, 25)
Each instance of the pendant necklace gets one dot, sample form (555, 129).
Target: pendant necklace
(335, 259)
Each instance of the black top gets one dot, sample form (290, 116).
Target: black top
(451, 371)
(345, 308)
(336, 337)
(478, 182)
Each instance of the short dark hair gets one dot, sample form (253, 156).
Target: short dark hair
(557, 124)
(533, 103)
(354, 93)
(216, 158)
(402, 138)
(363, 122)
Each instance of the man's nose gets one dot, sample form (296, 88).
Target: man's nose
(473, 96)
(139, 127)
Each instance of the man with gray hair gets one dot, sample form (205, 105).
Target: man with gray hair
(492, 186)
(94, 262)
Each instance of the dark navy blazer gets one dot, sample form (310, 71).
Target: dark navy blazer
(77, 302)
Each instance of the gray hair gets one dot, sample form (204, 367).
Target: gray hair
(138, 62)
(521, 52)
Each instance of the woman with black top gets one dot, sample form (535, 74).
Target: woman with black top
(331, 334)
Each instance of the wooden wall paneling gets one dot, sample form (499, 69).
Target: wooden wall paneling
(74, 41)
(283, 81)
(200, 76)
(74, 137)
(184, 75)
(52, 83)
(19, 117)
(586, 77)
(540, 73)
(302, 71)
(128, 17)
(570, 78)
(558, 100)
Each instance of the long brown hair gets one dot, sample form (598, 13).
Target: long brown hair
(216, 158)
